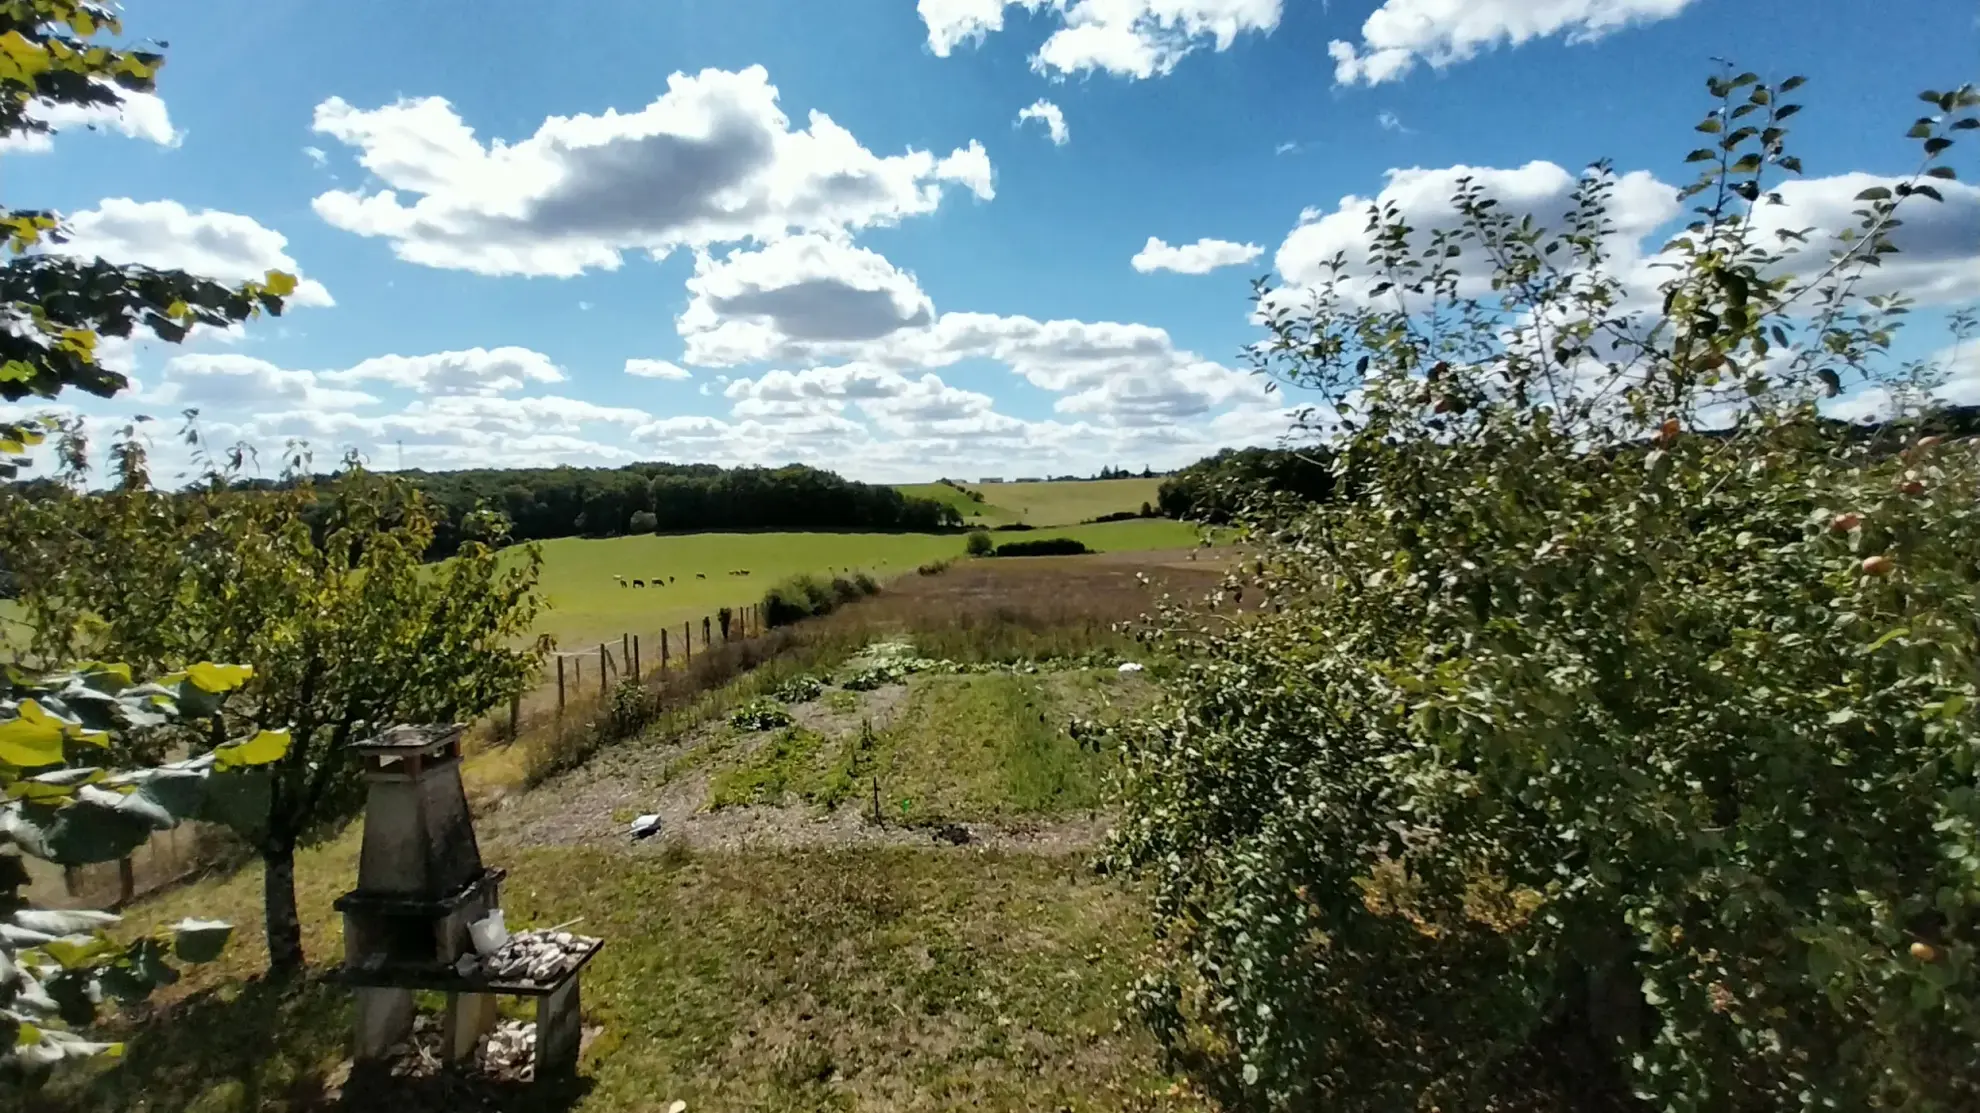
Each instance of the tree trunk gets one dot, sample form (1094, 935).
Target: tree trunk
(278, 897)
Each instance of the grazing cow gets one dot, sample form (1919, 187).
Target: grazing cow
(639, 583)
(700, 575)
(670, 579)
(620, 580)
(745, 571)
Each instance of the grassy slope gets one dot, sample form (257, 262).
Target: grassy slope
(588, 606)
(1044, 504)
(975, 513)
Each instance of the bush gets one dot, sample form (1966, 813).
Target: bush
(760, 714)
(643, 521)
(804, 596)
(800, 689)
(1581, 760)
(1046, 546)
(787, 602)
(1015, 527)
(933, 568)
(979, 544)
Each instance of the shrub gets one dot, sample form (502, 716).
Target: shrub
(800, 689)
(629, 709)
(643, 521)
(1045, 546)
(760, 714)
(723, 617)
(787, 602)
(1581, 760)
(979, 544)
(1015, 527)
(804, 596)
(933, 568)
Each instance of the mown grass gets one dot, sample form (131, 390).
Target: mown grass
(972, 748)
(991, 747)
(870, 979)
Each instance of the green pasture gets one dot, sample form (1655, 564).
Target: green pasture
(587, 605)
(1060, 503)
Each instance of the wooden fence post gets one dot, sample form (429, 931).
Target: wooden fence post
(126, 882)
(515, 714)
(663, 651)
(635, 656)
(560, 685)
(705, 642)
(577, 673)
(604, 661)
(687, 641)
(625, 656)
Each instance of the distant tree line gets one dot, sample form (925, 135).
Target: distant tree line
(542, 503)
(1215, 488)
(546, 503)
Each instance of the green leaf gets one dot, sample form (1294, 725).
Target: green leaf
(209, 677)
(267, 746)
(1874, 193)
(74, 952)
(200, 940)
(31, 740)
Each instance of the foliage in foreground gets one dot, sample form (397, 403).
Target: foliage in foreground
(62, 805)
(1554, 775)
(56, 308)
(320, 586)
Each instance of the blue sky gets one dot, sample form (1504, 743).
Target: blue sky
(919, 284)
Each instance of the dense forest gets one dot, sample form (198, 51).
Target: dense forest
(543, 503)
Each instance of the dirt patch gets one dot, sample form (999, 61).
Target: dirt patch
(785, 828)
(837, 723)
(595, 805)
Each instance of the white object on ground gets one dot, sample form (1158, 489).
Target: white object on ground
(1130, 666)
(679, 1106)
(646, 826)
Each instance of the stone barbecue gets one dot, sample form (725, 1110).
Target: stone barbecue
(426, 915)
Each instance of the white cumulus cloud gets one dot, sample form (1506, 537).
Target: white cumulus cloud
(1051, 116)
(1126, 38)
(713, 160)
(135, 116)
(212, 244)
(1402, 33)
(798, 296)
(471, 371)
(656, 369)
(1201, 257)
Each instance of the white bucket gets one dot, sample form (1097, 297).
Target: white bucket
(489, 934)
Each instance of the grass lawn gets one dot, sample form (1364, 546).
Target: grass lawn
(588, 606)
(833, 979)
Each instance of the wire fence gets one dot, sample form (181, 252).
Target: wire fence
(637, 655)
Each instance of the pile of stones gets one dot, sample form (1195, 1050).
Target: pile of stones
(538, 957)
